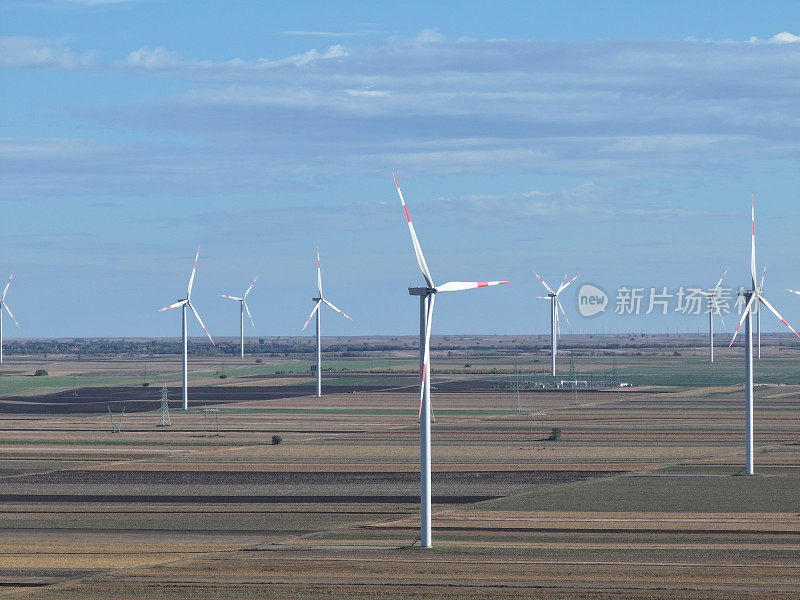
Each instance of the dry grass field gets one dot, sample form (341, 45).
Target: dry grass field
(640, 498)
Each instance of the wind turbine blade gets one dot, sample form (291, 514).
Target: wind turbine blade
(336, 309)
(316, 307)
(457, 286)
(8, 310)
(753, 240)
(426, 352)
(744, 315)
(414, 240)
(248, 314)
(763, 275)
(713, 300)
(176, 305)
(716, 287)
(191, 279)
(543, 297)
(319, 275)
(697, 291)
(232, 297)
(565, 286)
(5, 291)
(250, 288)
(775, 312)
(793, 291)
(562, 310)
(199, 320)
(547, 287)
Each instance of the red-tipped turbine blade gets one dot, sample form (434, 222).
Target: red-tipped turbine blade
(457, 286)
(176, 305)
(316, 307)
(199, 320)
(426, 352)
(191, 278)
(775, 312)
(250, 288)
(744, 315)
(414, 240)
(716, 287)
(547, 287)
(565, 286)
(248, 313)
(8, 283)
(753, 240)
(336, 309)
(319, 275)
(8, 310)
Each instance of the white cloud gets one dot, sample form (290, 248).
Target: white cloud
(161, 59)
(151, 59)
(785, 38)
(429, 36)
(39, 53)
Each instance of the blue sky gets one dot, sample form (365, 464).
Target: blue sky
(621, 140)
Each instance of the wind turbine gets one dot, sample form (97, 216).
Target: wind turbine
(183, 303)
(319, 300)
(714, 306)
(242, 308)
(753, 296)
(555, 305)
(2, 306)
(427, 295)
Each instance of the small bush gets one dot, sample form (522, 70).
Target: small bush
(40, 373)
(276, 439)
(223, 376)
(259, 361)
(555, 434)
(145, 384)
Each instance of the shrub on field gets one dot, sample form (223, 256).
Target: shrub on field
(223, 376)
(555, 434)
(259, 361)
(39, 373)
(276, 439)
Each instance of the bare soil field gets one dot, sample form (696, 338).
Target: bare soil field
(641, 497)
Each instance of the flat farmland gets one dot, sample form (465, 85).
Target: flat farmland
(641, 497)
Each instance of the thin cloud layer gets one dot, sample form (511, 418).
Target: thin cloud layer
(591, 110)
(39, 53)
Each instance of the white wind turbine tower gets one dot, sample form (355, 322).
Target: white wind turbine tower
(758, 315)
(183, 303)
(427, 295)
(713, 307)
(2, 306)
(319, 300)
(555, 305)
(242, 308)
(753, 297)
